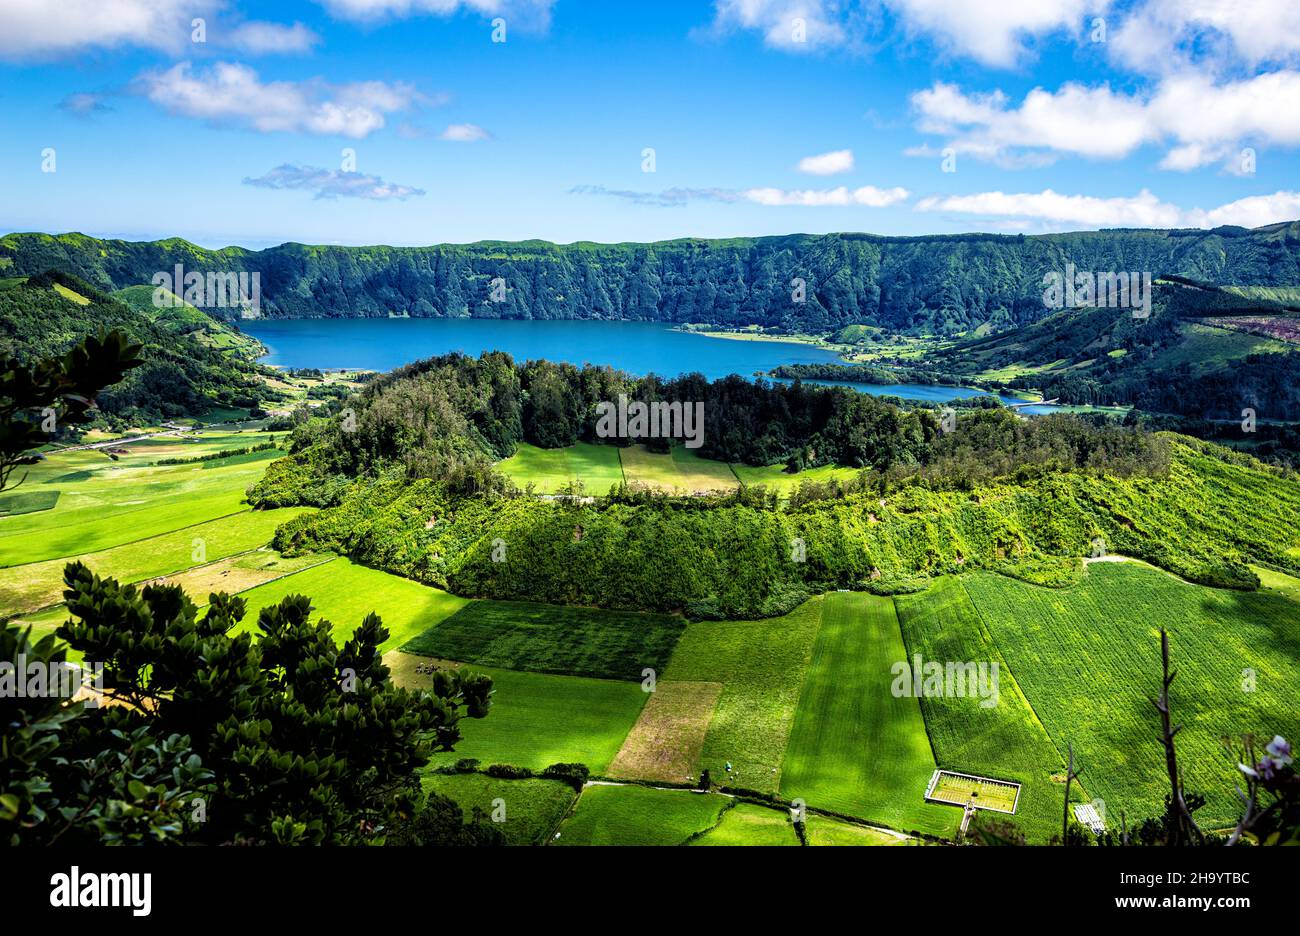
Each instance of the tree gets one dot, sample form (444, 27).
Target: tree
(308, 742)
(36, 401)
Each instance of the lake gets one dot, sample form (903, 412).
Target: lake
(635, 347)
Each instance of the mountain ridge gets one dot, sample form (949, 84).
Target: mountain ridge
(941, 283)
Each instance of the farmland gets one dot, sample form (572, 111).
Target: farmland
(681, 470)
(1005, 741)
(636, 815)
(542, 638)
(1087, 659)
(533, 807)
(538, 720)
(854, 747)
(760, 665)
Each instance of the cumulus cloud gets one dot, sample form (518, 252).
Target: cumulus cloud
(825, 164)
(333, 183)
(865, 196)
(1173, 35)
(44, 29)
(464, 133)
(257, 37)
(1200, 122)
(1142, 210)
(993, 32)
(233, 94)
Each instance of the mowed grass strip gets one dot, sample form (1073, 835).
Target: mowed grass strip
(1088, 658)
(751, 824)
(666, 741)
(549, 470)
(761, 667)
(343, 593)
(533, 807)
(1005, 741)
(637, 815)
(38, 584)
(542, 638)
(854, 747)
(27, 502)
(538, 720)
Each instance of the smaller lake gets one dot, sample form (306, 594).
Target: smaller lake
(635, 347)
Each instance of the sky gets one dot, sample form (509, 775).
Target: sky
(408, 122)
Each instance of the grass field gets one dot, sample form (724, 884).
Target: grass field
(343, 593)
(538, 720)
(666, 741)
(637, 815)
(541, 638)
(750, 824)
(1005, 741)
(37, 584)
(1088, 660)
(680, 470)
(533, 807)
(760, 665)
(103, 503)
(824, 831)
(27, 502)
(599, 467)
(548, 470)
(777, 478)
(854, 748)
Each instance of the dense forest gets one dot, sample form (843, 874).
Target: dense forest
(50, 312)
(937, 284)
(454, 415)
(404, 474)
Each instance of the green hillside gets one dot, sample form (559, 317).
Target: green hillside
(943, 284)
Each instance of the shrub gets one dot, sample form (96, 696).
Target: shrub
(575, 775)
(509, 772)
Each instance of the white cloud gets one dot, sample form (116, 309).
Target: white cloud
(84, 104)
(1253, 211)
(993, 32)
(1171, 35)
(261, 38)
(333, 183)
(51, 28)
(464, 133)
(867, 196)
(528, 14)
(792, 25)
(1199, 121)
(825, 164)
(1141, 210)
(233, 94)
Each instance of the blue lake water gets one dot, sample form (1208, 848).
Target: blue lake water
(634, 347)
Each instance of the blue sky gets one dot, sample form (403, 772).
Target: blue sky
(764, 117)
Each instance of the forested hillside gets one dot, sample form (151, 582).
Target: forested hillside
(941, 284)
(405, 474)
(50, 312)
